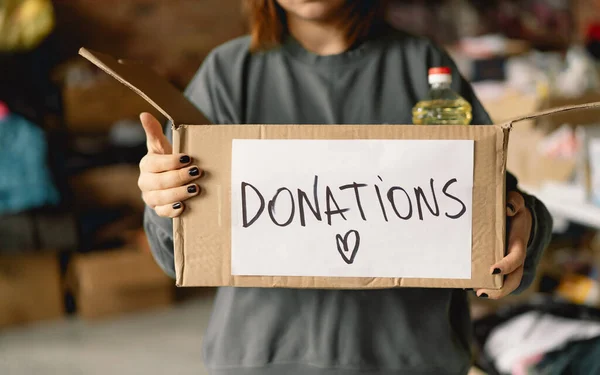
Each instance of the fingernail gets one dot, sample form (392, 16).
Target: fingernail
(176, 206)
(194, 172)
(192, 189)
(511, 207)
(483, 295)
(184, 159)
(496, 271)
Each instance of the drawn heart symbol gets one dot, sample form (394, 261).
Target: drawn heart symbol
(342, 246)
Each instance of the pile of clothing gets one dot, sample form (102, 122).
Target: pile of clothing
(545, 337)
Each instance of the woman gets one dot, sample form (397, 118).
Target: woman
(327, 61)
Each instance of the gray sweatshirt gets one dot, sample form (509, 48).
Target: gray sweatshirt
(332, 332)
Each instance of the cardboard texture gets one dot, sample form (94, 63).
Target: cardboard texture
(202, 234)
(31, 289)
(119, 281)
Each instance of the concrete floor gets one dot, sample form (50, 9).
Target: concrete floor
(167, 341)
(159, 342)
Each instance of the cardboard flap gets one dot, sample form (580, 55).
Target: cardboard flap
(552, 111)
(150, 86)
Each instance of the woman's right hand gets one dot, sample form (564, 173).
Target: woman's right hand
(166, 180)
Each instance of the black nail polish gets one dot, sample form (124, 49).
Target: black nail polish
(184, 159)
(483, 295)
(192, 189)
(176, 206)
(511, 207)
(496, 271)
(194, 172)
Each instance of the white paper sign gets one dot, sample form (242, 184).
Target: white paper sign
(352, 208)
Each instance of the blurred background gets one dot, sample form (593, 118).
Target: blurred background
(79, 290)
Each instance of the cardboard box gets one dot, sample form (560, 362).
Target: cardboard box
(531, 167)
(95, 106)
(525, 159)
(30, 289)
(589, 117)
(511, 104)
(208, 248)
(514, 104)
(119, 281)
(109, 186)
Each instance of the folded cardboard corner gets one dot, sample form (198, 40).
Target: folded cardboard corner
(146, 83)
(203, 233)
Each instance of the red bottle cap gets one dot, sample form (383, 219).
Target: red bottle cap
(440, 70)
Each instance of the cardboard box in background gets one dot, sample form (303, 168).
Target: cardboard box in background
(580, 118)
(96, 108)
(109, 283)
(92, 102)
(529, 165)
(109, 186)
(109, 204)
(512, 104)
(508, 105)
(31, 289)
(525, 158)
(138, 239)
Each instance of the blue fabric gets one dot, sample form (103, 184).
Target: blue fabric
(25, 181)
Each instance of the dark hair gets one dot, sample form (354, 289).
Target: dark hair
(268, 24)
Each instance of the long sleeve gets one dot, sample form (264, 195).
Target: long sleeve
(541, 231)
(159, 231)
(541, 234)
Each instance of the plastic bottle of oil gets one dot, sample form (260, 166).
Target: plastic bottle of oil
(443, 106)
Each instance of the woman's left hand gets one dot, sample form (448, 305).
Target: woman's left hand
(511, 266)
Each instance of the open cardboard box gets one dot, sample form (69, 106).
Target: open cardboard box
(112, 282)
(30, 288)
(205, 242)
